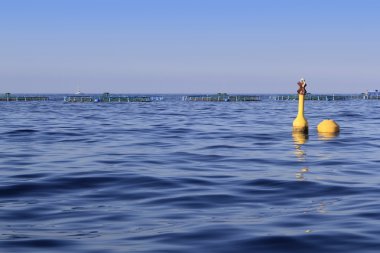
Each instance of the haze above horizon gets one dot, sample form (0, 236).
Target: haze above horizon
(189, 46)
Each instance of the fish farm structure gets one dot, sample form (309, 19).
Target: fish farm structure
(372, 95)
(7, 97)
(219, 97)
(319, 97)
(222, 97)
(107, 98)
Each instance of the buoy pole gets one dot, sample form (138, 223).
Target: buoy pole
(300, 124)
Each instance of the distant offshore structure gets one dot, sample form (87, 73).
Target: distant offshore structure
(108, 98)
(329, 97)
(222, 97)
(317, 97)
(372, 94)
(80, 97)
(8, 97)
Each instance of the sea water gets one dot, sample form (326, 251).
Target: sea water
(174, 176)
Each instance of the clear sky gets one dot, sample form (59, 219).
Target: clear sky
(187, 46)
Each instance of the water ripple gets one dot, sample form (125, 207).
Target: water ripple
(188, 177)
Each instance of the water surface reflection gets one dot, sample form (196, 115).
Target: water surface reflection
(299, 140)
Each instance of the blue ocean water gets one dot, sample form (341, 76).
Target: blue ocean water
(175, 176)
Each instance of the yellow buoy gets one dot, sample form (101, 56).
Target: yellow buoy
(328, 126)
(300, 123)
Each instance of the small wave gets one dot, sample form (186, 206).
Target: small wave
(37, 243)
(200, 201)
(297, 189)
(66, 184)
(21, 132)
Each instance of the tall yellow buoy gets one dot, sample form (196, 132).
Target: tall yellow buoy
(300, 123)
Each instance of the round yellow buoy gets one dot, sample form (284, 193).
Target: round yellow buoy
(328, 126)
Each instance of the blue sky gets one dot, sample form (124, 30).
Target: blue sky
(187, 46)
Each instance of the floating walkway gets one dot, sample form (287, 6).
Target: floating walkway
(222, 97)
(318, 97)
(107, 98)
(9, 98)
